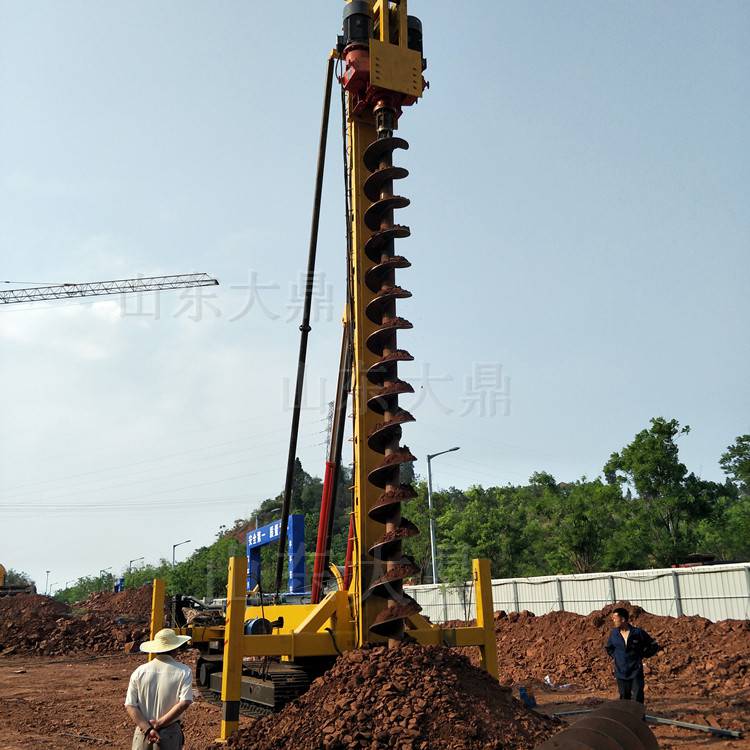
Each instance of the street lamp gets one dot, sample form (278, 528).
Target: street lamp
(130, 564)
(266, 512)
(46, 583)
(175, 546)
(430, 456)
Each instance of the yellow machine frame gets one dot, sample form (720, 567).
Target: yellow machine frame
(324, 629)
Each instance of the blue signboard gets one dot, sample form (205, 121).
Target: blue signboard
(269, 533)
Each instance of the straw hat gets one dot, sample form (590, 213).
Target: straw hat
(165, 640)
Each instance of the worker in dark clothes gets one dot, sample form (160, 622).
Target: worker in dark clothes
(628, 646)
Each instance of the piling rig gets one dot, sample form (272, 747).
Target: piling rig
(264, 656)
(268, 655)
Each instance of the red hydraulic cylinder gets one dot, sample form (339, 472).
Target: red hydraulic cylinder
(349, 554)
(322, 545)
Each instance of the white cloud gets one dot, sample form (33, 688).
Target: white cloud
(81, 329)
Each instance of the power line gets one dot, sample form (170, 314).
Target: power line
(127, 502)
(161, 477)
(131, 505)
(149, 460)
(80, 486)
(41, 505)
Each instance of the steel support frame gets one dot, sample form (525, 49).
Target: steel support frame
(231, 680)
(157, 609)
(327, 629)
(311, 637)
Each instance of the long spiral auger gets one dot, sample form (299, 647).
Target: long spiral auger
(385, 437)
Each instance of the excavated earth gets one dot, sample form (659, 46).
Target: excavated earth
(131, 603)
(706, 658)
(411, 698)
(103, 623)
(701, 675)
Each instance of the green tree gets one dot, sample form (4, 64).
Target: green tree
(651, 511)
(500, 524)
(418, 547)
(735, 462)
(726, 532)
(83, 587)
(17, 578)
(584, 516)
(204, 573)
(737, 530)
(650, 465)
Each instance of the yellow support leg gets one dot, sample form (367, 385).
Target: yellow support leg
(231, 679)
(485, 615)
(157, 609)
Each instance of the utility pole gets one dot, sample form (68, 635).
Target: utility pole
(430, 456)
(46, 583)
(329, 423)
(130, 563)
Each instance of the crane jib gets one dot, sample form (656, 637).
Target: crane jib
(102, 288)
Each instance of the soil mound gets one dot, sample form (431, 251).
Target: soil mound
(25, 608)
(705, 657)
(134, 604)
(410, 697)
(35, 624)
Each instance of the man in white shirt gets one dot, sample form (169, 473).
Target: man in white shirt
(159, 692)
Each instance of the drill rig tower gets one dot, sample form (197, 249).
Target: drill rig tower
(383, 64)
(268, 654)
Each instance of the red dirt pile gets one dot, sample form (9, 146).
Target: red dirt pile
(411, 698)
(133, 604)
(705, 657)
(35, 624)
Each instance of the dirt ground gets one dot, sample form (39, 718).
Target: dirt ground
(728, 713)
(60, 703)
(71, 703)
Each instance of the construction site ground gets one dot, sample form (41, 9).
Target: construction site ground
(62, 704)
(66, 704)
(64, 673)
(672, 705)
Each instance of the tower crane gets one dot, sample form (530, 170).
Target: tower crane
(94, 289)
(101, 288)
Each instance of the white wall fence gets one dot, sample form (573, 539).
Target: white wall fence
(717, 592)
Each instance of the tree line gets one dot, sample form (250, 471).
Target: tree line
(645, 510)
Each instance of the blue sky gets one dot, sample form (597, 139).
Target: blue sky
(579, 186)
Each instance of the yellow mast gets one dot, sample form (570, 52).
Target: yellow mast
(393, 74)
